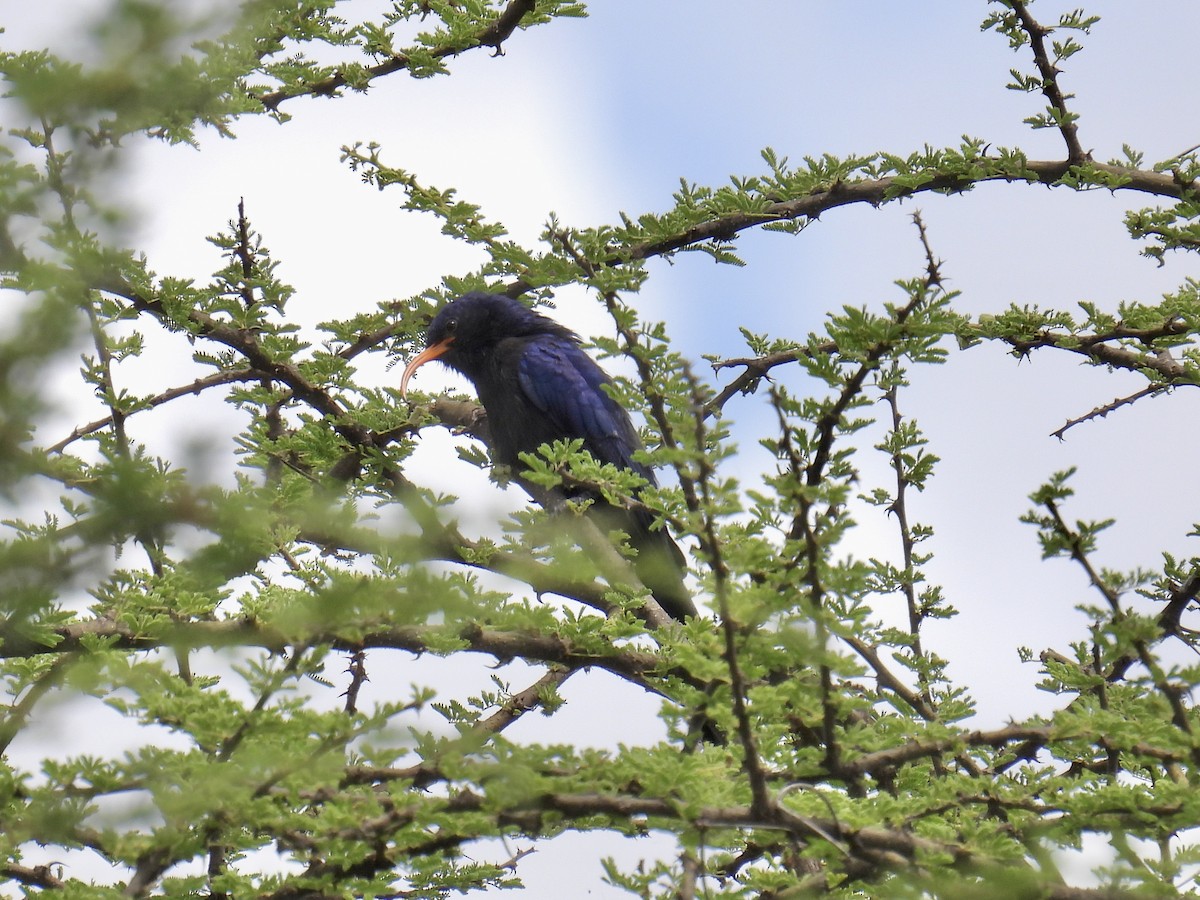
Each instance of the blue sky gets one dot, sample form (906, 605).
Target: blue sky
(591, 117)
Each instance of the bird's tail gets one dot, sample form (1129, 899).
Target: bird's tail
(659, 562)
(660, 566)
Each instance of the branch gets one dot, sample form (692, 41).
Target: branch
(150, 867)
(1101, 411)
(899, 508)
(826, 426)
(1168, 619)
(166, 396)
(19, 713)
(888, 679)
(357, 669)
(878, 191)
(756, 368)
(631, 664)
(810, 206)
(872, 848)
(36, 876)
(245, 342)
(899, 505)
(1094, 346)
(835, 192)
(1111, 596)
(1064, 118)
(523, 701)
(918, 748)
(1171, 693)
(491, 36)
(1097, 347)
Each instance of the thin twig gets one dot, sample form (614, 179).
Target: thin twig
(1101, 411)
(754, 369)
(245, 255)
(1111, 596)
(196, 387)
(899, 508)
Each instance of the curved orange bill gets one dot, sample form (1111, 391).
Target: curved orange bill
(431, 352)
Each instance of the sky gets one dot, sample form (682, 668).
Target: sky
(589, 118)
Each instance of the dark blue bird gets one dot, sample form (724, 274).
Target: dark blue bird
(538, 386)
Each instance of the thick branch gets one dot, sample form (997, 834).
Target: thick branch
(34, 876)
(871, 848)
(1103, 347)
(873, 191)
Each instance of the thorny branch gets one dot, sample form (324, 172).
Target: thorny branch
(846, 192)
(899, 508)
(1099, 347)
(754, 369)
(1100, 412)
(1096, 347)
(880, 190)
(1064, 118)
(491, 36)
(1168, 622)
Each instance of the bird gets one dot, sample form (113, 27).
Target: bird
(537, 386)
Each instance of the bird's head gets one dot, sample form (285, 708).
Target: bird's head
(471, 326)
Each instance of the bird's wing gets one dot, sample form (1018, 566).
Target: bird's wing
(565, 384)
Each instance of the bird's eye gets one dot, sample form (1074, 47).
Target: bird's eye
(451, 326)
